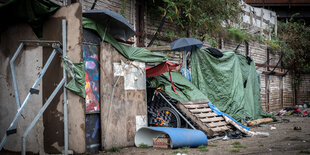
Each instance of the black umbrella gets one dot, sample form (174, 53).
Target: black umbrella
(114, 23)
(185, 44)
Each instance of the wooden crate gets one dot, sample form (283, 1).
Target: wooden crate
(208, 121)
(161, 142)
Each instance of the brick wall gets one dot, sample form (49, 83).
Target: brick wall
(303, 93)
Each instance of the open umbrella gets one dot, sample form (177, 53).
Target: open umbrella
(114, 23)
(185, 44)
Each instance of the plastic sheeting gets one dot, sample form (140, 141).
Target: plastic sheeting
(179, 137)
(186, 90)
(131, 53)
(229, 82)
(77, 75)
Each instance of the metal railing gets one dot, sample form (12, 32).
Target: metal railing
(20, 107)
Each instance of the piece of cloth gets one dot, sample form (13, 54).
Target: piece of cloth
(77, 75)
(186, 73)
(160, 69)
(131, 53)
(229, 82)
(215, 52)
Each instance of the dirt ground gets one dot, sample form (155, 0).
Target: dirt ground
(282, 140)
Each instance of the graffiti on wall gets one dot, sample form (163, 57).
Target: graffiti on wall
(92, 68)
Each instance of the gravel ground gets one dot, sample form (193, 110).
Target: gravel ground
(282, 140)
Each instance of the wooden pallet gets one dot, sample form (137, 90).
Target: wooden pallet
(208, 121)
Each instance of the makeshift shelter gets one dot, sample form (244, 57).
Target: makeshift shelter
(229, 82)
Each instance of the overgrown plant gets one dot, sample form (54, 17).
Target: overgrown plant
(293, 42)
(199, 18)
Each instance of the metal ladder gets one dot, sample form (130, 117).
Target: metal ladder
(20, 107)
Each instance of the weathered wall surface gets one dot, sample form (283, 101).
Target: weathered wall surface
(27, 67)
(123, 100)
(303, 93)
(276, 91)
(53, 118)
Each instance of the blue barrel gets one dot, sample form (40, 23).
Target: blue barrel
(179, 137)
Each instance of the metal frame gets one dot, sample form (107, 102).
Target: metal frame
(190, 124)
(56, 48)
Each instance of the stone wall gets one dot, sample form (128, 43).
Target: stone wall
(27, 67)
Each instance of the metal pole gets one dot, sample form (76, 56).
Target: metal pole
(47, 103)
(20, 110)
(177, 111)
(21, 45)
(64, 51)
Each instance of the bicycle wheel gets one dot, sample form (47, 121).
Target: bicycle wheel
(170, 117)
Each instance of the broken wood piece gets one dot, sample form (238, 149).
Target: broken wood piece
(259, 121)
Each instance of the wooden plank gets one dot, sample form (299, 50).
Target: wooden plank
(195, 119)
(259, 121)
(158, 48)
(275, 73)
(216, 124)
(200, 110)
(211, 114)
(118, 110)
(194, 102)
(220, 129)
(214, 119)
(197, 106)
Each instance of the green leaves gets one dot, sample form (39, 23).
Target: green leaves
(197, 16)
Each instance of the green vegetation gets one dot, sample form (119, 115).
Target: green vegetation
(235, 150)
(143, 145)
(203, 148)
(293, 42)
(294, 139)
(177, 151)
(212, 145)
(185, 149)
(114, 149)
(238, 145)
(304, 151)
(214, 19)
(202, 19)
(261, 145)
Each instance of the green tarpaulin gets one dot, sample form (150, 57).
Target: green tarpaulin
(185, 89)
(229, 82)
(77, 76)
(131, 53)
(219, 80)
(31, 11)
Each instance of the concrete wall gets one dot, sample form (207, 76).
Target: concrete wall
(53, 118)
(27, 67)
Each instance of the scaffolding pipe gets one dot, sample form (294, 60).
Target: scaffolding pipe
(64, 51)
(21, 45)
(20, 110)
(46, 104)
